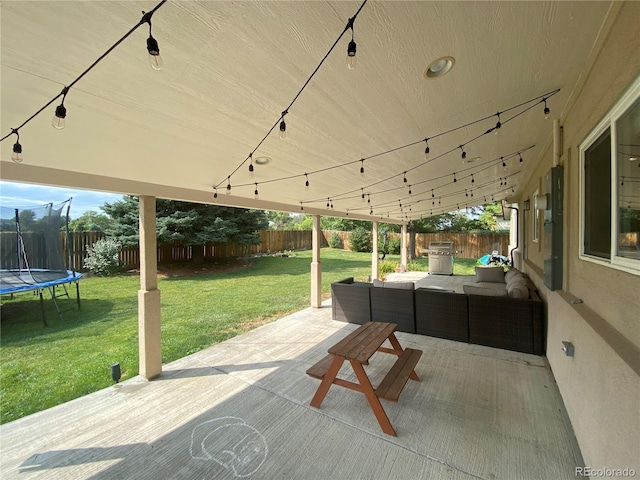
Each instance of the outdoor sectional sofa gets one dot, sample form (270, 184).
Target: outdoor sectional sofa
(490, 312)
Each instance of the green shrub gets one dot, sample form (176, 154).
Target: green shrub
(387, 266)
(360, 240)
(335, 241)
(103, 258)
(414, 267)
(393, 246)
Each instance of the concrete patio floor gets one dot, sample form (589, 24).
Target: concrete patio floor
(241, 409)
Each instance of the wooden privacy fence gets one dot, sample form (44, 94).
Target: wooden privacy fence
(472, 245)
(270, 241)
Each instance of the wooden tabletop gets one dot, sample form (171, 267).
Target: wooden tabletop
(362, 343)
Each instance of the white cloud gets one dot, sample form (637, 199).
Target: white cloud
(15, 195)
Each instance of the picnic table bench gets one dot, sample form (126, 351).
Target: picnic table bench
(358, 347)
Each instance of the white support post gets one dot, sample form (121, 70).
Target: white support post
(375, 267)
(150, 348)
(403, 245)
(316, 267)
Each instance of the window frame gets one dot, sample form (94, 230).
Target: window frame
(608, 122)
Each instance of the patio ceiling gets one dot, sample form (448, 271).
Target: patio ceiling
(231, 68)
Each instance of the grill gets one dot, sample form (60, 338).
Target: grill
(441, 258)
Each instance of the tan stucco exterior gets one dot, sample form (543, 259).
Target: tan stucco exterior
(600, 386)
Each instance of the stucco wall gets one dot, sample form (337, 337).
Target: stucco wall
(600, 385)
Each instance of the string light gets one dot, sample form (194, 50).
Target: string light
(60, 113)
(255, 193)
(546, 110)
(405, 177)
(427, 150)
(283, 126)
(306, 182)
(228, 192)
(409, 189)
(58, 121)
(215, 192)
(362, 194)
(351, 48)
(464, 154)
(498, 124)
(362, 168)
(302, 208)
(251, 165)
(17, 149)
(155, 60)
(520, 156)
(472, 179)
(454, 177)
(504, 164)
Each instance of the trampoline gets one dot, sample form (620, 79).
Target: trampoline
(33, 256)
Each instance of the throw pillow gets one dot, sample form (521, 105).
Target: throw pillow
(513, 273)
(517, 288)
(378, 283)
(490, 274)
(489, 292)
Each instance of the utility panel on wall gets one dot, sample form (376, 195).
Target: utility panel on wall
(553, 233)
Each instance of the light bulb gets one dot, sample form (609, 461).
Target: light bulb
(351, 55)
(155, 60)
(251, 174)
(546, 110)
(283, 130)
(17, 153)
(426, 152)
(58, 121)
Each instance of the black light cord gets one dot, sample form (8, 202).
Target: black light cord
(539, 99)
(286, 110)
(146, 18)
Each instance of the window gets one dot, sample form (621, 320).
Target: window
(610, 184)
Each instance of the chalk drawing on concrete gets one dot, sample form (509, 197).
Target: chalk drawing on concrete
(230, 442)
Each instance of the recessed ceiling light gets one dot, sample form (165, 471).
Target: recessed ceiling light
(439, 67)
(262, 160)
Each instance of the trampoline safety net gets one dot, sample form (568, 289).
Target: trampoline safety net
(31, 250)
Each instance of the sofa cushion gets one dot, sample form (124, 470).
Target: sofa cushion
(400, 285)
(511, 274)
(378, 283)
(490, 274)
(486, 291)
(517, 288)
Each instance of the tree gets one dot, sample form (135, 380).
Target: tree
(189, 223)
(90, 221)
(284, 220)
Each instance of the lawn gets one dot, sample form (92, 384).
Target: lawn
(44, 366)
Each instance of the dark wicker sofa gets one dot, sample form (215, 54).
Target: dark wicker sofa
(496, 321)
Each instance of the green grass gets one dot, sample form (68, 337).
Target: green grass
(44, 366)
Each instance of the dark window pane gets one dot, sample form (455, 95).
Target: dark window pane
(597, 201)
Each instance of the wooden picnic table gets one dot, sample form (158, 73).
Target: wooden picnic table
(358, 347)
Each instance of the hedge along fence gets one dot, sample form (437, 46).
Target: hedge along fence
(471, 245)
(270, 241)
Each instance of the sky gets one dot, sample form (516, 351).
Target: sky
(19, 195)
